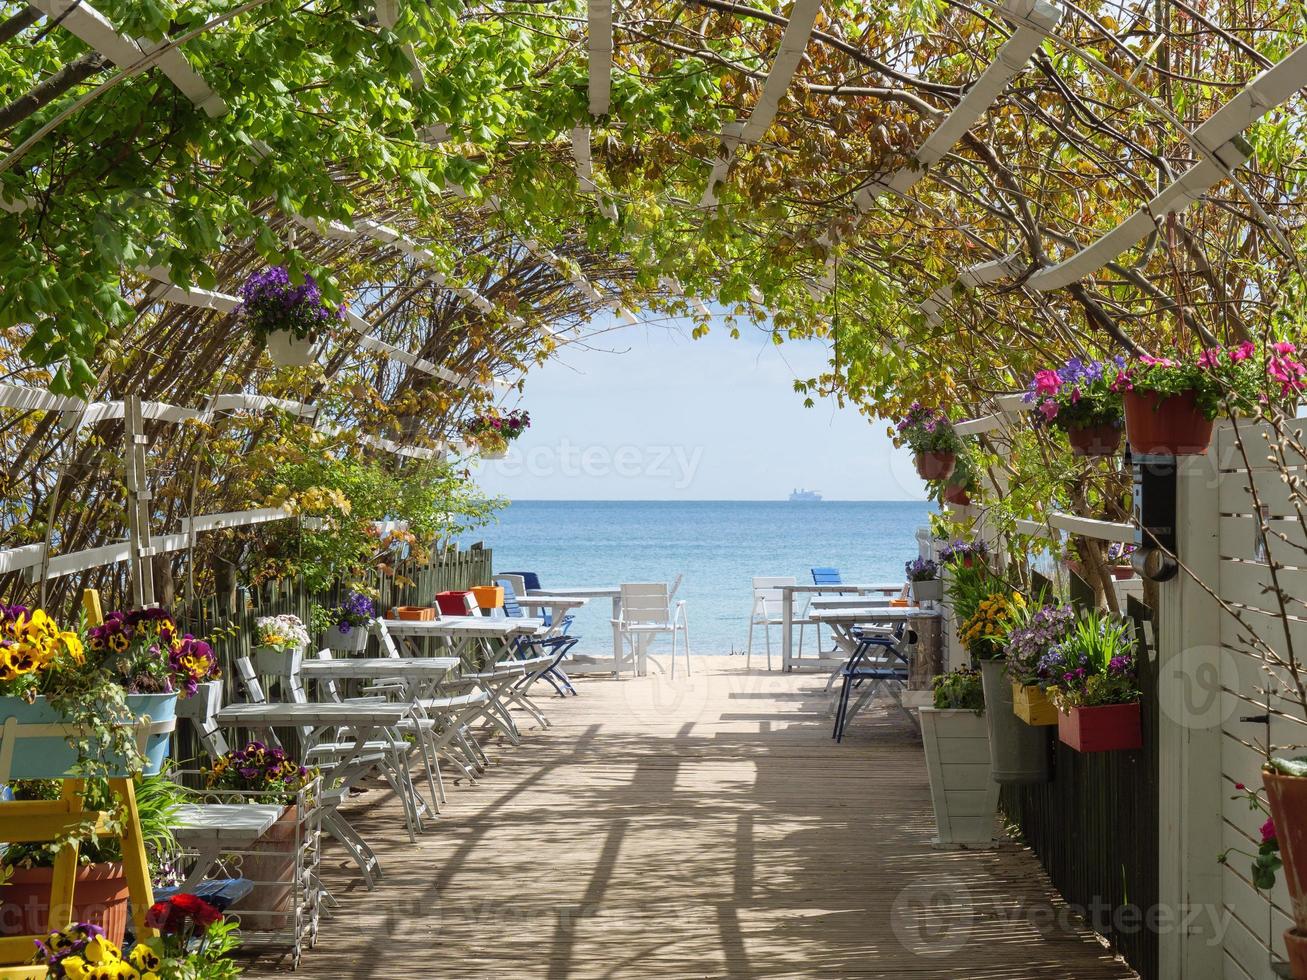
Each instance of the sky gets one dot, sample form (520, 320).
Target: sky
(647, 413)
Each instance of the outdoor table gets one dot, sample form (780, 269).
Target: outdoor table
(420, 674)
(493, 635)
(356, 723)
(788, 592)
(587, 592)
(558, 605)
(214, 829)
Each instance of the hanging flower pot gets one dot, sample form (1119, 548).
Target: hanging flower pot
(928, 590)
(1094, 440)
(1101, 728)
(51, 757)
(956, 494)
(1031, 705)
(355, 641)
(1166, 426)
(288, 350)
(935, 464)
(1123, 573)
(1286, 797)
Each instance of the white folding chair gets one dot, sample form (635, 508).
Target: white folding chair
(647, 612)
(768, 611)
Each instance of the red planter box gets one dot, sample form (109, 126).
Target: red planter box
(1105, 728)
(452, 603)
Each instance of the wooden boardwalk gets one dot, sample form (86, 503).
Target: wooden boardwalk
(706, 827)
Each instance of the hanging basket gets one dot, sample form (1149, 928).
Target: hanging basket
(935, 465)
(278, 663)
(1095, 440)
(1173, 426)
(1102, 728)
(288, 350)
(41, 749)
(930, 590)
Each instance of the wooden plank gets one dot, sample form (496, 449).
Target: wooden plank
(706, 826)
(1090, 528)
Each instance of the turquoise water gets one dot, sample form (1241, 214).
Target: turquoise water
(718, 546)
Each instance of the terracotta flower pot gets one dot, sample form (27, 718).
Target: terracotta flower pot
(1095, 440)
(1287, 798)
(1123, 573)
(1295, 944)
(1102, 728)
(99, 896)
(957, 495)
(418, 613)
(935, 465)
(1158, 426)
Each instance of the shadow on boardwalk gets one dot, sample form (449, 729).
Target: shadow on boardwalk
(706, 827)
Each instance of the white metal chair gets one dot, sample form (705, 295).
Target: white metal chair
(647, 611)
(768, 611)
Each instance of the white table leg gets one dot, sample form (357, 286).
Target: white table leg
(617, 636)
(787, 638)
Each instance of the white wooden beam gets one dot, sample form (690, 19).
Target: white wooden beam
(599, 30)
(1089, 528)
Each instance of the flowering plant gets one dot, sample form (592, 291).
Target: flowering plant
(1239, 378)
(926, 430)
(33, 649)
(270, 303)
(194, 945)
(921, 570)
(1266, 862)
(959, 551)
(959, 688)
(985, 631)
(1119, 553)
(259, 769)
(1077, 395)
(494, 431)
(285, 633)
(357, 610)
(1093, 665)
(145, 649)
(1035, 633)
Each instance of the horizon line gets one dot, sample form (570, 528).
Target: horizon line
(712, 500)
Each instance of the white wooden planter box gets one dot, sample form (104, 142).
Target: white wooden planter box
(962, 788)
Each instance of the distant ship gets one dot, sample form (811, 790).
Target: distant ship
(804, 497)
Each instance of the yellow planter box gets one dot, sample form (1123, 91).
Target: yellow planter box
(489, 596)
(1031, 705)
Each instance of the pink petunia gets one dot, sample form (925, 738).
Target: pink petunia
(1268, 830)
(1209, 357)
(1047, 382)
(1284, 347)
(1243, 351)
(1049, 408)
(1075, 395)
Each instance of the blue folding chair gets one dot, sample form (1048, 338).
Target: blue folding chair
(889, 666)
(821, 576)
(556, 646)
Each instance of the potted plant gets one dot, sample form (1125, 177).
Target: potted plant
(923, 574)
(1018, 752)
(286, 318)
(962, 790)
(261, 773)
(344, 627)
(1079, 399)
(1118, 561)
(127, 674)
(100, 894)
(964, 554)
(1030, 640)
(491, 432)
(959, 485)
(1093, 685)
(280, 643)
(194, 942)
(930, 436)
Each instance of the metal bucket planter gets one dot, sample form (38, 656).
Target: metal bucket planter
(47, 754)
(288, 350)
(355, 641)
(962, 789)
(1019, 752)
(278, 663)
(931, 590)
